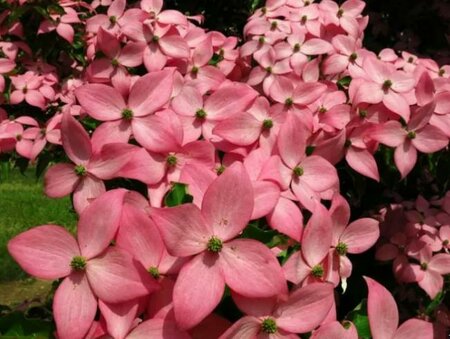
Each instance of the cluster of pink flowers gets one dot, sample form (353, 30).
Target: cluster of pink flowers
(416, 236)
(254, 132)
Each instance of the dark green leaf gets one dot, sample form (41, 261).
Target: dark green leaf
(360, 319)
(177, 195)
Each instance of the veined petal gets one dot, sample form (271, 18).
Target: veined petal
(228, 202)
(246, 261)
(198, 278)
(44, 251)
(74, 303)
(183, 228)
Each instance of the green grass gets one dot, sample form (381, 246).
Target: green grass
(23, 205)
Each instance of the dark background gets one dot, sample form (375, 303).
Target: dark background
(419, 26)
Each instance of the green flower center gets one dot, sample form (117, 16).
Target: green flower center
(298, 171)
(441, 72)
(363, 113)
(200, 114)
(346, 324)
(317, 271)
(127, 114)
(214, 245)
(261, 40)
(114, 62)
(80, 170)
(194, 70)
(411, 135)
(322, 110)
(273, 25)
(348, 143)
(289, 102)
(445, 242)
(387, 85)
(171, 160)
(267, 124)
(353, 57)
(341, 248)
(410, 60)
(154, 272)
(78, 263)
(155, 38)
(340, 13)
(296, 47)
(112, 19)
(269, 326)
(423, 266)
(269, 69)
(220, 169)
(303, 19)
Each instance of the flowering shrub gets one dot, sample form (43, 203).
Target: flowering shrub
(214, 179)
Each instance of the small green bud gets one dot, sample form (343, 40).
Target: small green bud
(154, 272)
(317, 271)
(214, 245)
(341, 248)
(127, 114)
(269, 326)
(78, 263)
(267, 124)
(171, 160)
(80, 170)
(200, 114)
(298, 171)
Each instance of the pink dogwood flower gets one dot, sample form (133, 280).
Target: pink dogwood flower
(206, 234)
(123, 118)
(417, 135)
(383, 316)
(61, 23)
(85, 176)
(90, 267)
(300, 312)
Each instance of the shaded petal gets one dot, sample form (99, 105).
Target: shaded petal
(287, 218)
(198, 278)
(246, 261)
(414, 328)
(228, 202)
(100, 101)
(305, 308)
(158, 328)
(151, 92)
(183, 229)
(99, 222)
(74, 303)
(114, 276)
(44, 251)
(75, 140)
(382, 311)
(60, 180)
(360, 235)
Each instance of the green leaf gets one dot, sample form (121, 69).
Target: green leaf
(177, 195)
(434, 304)
(252, 231)
(16, 325)
(344, 82)
(255, 4)
(360, 319)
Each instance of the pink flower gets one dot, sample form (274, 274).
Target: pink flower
(148, 95)
(417, 135)
(434, 267)
(92, 268)
(300, 312)
(246, 266)
(384, 84)
(383, 316)
(85, 177)
(61, 23)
